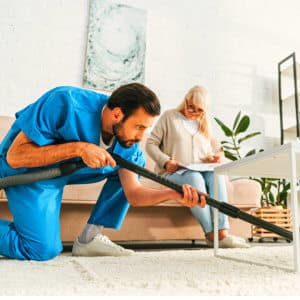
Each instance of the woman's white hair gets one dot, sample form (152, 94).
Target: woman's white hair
(198, 96)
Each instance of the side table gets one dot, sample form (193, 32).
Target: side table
(280, 162)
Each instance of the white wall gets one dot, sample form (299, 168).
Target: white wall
(230, 46)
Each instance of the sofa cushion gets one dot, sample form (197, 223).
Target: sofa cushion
(246, 193)
(82, 193)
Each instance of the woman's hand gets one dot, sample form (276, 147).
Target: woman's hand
(212, 159)
(172, 166)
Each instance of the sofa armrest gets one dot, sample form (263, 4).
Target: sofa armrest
(244, 193)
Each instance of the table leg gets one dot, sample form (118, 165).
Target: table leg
(294, 207)
(216, 216)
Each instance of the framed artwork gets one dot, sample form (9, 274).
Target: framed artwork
(116, 45)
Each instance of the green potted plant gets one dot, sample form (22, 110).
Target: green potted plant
(274, 191)
(232, 148)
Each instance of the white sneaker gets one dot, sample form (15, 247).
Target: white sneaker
(230, 241)
(101, 245)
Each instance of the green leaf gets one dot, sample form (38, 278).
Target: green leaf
(287, 187)
(243, 125)
(231, 148)
(271, 198)
(237, 118)
(226, 130)
(230, 155)
(251, 152)
(259, 180)
(283, 196)
(271, 179)
(226, 142)
(248, 136)
(268, 188)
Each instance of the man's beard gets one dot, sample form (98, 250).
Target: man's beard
(124, 143)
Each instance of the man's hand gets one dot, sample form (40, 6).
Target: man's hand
(190, 197)
(96, 157)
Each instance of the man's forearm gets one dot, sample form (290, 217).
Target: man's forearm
(145, 196)
(23, 153)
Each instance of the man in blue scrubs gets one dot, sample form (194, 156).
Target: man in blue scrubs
(68, 123)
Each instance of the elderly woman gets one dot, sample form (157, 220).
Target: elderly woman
(182, 136)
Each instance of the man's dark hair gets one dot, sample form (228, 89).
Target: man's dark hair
(130, 97)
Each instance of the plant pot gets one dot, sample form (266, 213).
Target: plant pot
(276, 215)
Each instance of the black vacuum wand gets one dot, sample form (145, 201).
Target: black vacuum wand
(70, 167)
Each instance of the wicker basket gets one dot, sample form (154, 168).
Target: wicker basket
(273, 214)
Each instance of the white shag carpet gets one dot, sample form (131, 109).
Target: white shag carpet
(165, 273)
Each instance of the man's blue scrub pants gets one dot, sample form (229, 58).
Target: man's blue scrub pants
(35, 232)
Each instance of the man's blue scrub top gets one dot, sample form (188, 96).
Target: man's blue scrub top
(61, 115)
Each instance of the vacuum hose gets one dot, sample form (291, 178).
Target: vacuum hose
(30, 177)
(70, 167)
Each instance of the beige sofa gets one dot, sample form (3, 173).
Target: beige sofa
(167, 221)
